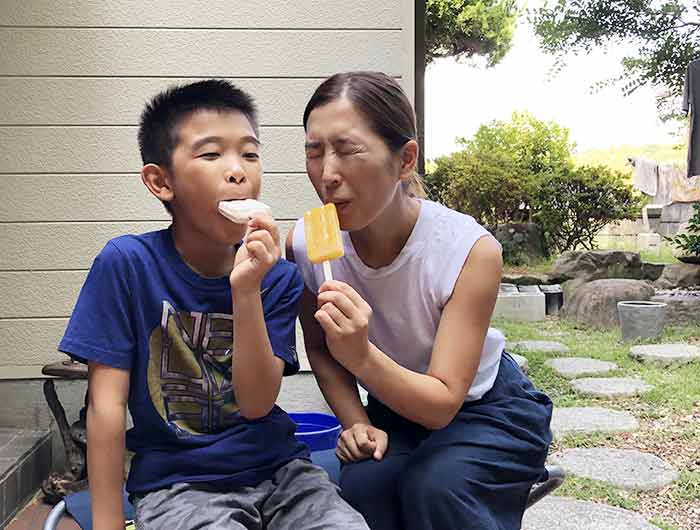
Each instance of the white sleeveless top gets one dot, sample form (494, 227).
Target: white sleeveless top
(407, 296)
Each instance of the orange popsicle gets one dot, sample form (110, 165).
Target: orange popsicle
(323, 241)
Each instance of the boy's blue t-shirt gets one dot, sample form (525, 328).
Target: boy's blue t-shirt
(144, 310)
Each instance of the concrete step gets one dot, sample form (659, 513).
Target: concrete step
(25, 460)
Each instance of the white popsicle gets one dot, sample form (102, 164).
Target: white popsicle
(240, 211)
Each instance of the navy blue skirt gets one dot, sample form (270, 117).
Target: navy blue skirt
(475, 473)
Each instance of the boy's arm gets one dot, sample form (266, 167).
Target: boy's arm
(108, 390)
(256, 370)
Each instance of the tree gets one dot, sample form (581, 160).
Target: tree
(523, 170)
(465, 28)
(571, 207)
(666, 36)
(493, 178)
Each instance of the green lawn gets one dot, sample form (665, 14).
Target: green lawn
(669, 415)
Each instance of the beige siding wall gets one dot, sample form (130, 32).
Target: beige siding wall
(74, 76)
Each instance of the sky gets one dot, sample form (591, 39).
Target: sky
(461, 97)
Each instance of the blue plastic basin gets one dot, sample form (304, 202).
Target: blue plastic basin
(317, 430)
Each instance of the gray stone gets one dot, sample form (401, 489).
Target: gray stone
(666, 354)
(623, 468)
(563, 513)
(531, 278)
(578, 366)
(683, 307)
(610, 387)
(590, 420)
(652, 271)
(539, 345)
(595, 303)
(521, 242)
(679, 275)
(597, 265)
(570, 287)
(522, 361)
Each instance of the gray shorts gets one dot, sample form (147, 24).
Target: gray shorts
(300, 496)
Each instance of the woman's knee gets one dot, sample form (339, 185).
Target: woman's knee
(366, 483)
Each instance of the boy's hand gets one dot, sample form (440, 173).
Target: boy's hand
(344, 316)
(360, 442)
(256, 256)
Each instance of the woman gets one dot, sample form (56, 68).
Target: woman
(454, 434)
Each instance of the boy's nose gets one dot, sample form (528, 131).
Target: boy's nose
(236, 177)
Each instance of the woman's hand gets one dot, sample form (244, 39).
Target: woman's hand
(344, 317)
(360, 442)
(256, 256)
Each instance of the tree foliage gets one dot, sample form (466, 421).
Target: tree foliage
(493, 176)
(572, 207)
(465, 28)
(523, 170)
(664, 34)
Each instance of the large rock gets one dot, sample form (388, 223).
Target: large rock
(597, 265)
(683, 306)
(679, 275)
(652, 271)
(595, 303)
(531, 278)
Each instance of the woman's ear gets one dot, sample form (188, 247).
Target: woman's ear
(158, 181)
(409, 159)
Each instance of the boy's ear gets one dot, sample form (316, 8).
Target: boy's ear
(409, 159)
(158, 181)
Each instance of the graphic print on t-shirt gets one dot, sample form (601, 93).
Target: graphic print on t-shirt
(189, 370)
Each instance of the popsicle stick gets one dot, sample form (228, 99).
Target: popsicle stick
(327, 274)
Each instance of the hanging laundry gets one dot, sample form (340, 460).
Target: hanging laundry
(685, 189)
(646, 176)
(667, 174)
(691, 101)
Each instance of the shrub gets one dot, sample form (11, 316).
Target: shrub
(572, 207)
(493, 177)
(523, 170)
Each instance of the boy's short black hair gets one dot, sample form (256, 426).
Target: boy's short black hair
(159, 120)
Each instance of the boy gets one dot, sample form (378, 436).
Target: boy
(194, 332)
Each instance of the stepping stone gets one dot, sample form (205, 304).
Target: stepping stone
(623, 468)
(539, 345)
(578, 366)
(522, 361)
(590, 420)
(666, 354)
(564, 513)
(610, 386)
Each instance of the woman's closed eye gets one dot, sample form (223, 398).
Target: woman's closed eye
(313, 152)
(251, 155)
(209, 156)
